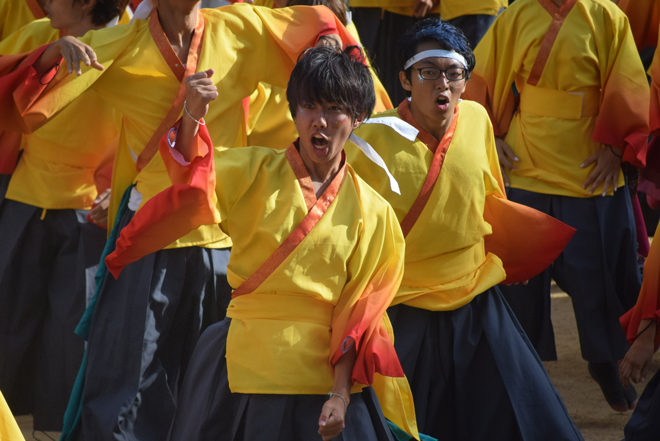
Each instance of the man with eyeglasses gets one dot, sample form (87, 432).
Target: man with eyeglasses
(473, 374)
(582, 110)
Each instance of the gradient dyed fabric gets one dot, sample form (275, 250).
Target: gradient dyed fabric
(62, 159)
(242, 43)
(270, 123)
(468, 237)
(14, 14)
(648, 302)
(592, 91)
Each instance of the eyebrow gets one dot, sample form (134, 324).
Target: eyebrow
(454, 63)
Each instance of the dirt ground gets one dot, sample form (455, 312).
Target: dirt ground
(595, 419)
(583, 398)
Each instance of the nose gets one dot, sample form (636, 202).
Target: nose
(320, 120)
(442, 82)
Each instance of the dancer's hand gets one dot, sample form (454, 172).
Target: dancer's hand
(331, 422)
(200, 91)
(637, 362)
(606, 171)
(507, 158)
(74, 52)
(422, 7)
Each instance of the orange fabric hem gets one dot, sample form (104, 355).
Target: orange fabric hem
(558, 14)
(300, 232)
(168, 54)
(417, 207)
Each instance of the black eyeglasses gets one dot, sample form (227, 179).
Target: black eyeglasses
(433, 73)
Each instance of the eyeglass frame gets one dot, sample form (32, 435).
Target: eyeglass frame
(442, 72)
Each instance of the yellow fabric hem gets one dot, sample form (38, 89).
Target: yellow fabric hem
(224, 243)
(39, 205)
(453, 295)
(537, 186)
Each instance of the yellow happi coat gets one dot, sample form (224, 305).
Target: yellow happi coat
(243, 44)
(447, 9)
(284, 334)
(14, 14)
(446, 261)
(334, 286)
(269, 120)
(59, 161)
(592, 92)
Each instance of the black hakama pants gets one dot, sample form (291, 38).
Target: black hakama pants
(142, 335)
(475, 376)
(644, 424)
(598, 269)
(208, 411)
(47, 264)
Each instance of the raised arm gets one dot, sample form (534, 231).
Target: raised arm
(273, 40)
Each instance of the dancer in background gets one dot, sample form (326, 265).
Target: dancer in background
(643, 332)
(582, 111)
(50, 251)
(269, 119)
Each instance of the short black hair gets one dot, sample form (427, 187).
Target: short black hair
(435, 30)
(106, 10)
(326, 74)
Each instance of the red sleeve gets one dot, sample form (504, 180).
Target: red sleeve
(172, 213)
(648, 302)
(526, 240)
(18, 82)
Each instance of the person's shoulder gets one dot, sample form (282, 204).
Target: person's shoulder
(371, 202)
(385, 122)
(253, 156)
(229, 12)
(473, 111)
(602, 8)
(40, 26)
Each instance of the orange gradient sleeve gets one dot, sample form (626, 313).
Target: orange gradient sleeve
(648, 302)
(188, 204)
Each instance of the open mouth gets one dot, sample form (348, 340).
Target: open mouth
(319, 142)
(442, 102)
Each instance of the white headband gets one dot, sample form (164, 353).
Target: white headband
(436, 53)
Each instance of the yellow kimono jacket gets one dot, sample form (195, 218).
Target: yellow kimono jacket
(62, 158)
(269, 120)
(467, 237)
(447, 9)
(242, 43)
(14, 14)
(591, 91)
(446, 261)
(328, 290)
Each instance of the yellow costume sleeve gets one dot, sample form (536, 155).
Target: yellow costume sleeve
(559, 108)
(644, 19)
(14, 14)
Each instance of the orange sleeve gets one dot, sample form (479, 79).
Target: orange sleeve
(188, 204)
(648, 302)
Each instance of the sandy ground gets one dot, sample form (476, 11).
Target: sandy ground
(595, 419)
(582, 396)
